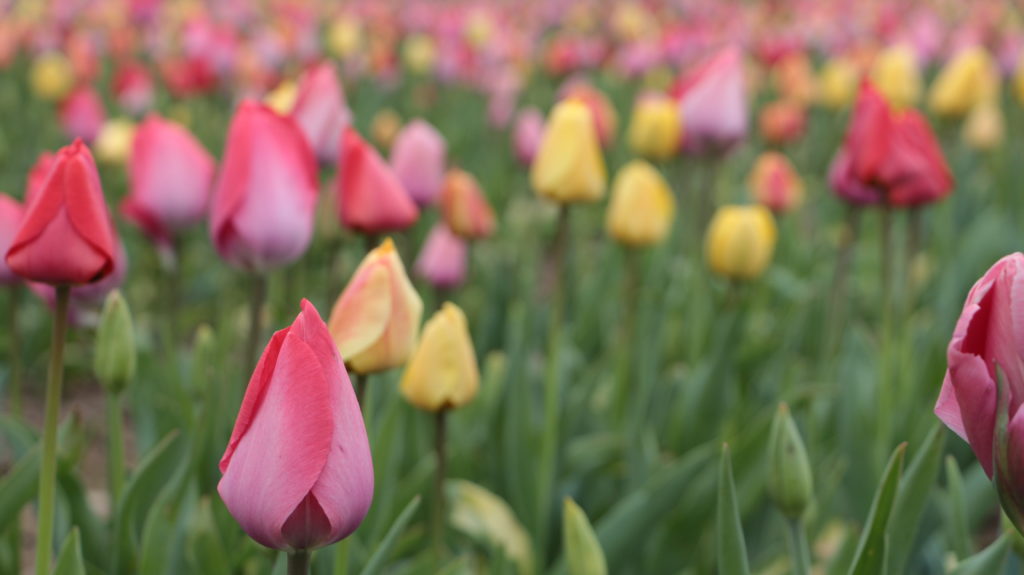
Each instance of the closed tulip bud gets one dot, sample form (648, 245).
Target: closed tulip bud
(583, 552)
(66, 236)
(114, 359)
(713, 101)
(793, 78)
(775, 184)
(419, 53)
(605, 119)
(11, 213)
(265, 196)
(897, 75)
(442, 373)
(837, 83)
(384, 127)
(985, 128)
(790, 482)
(782, 122)
(376, 319)
(418, 157)
(371, 198)
(642, 207)
(967, 79)
(133, 88)
(740, 241)
(655, 128)
(82, 114)
(443, 260)
(464, 206)
(38, 175)
(51, 76)
(345, 37)
(527, 134)
(320, 111)
(568, 166)
(297, 471)
(113, 144)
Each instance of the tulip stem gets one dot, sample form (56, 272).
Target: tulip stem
(837, 306)
(15, 347)
(440, 447)
(258, 296)
(48, 466)
(115, 453)
(799, 549)
(298, 562)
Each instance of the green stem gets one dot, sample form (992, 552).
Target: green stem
(115, 453)
(298, 562)
(440, 447)
(798, 547)
(15, 347)
(885, 387)
(341, 553)
(837, 305)
(48, 466)
(258, 296)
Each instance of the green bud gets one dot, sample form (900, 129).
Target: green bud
(582, 549)
(790, 482)
(114, 359)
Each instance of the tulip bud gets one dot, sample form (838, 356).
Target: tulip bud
(782, 122)
(371, 199)
(642, 207)
(464, 206)
(442, 373)
(115, 356)
(984, 128)
(82, 114)
(582, 549)
(419, 53)
(968, 78)
(655, 129)
(790, 482)
(740, 241)
(713, 101)
(320, 110)
(344, 37)
(527, 134)
(775, 184)
(384, 127)
(418, 158)
(51, 76)
(442, 261)
(837, 84)
(568, 166)
(897, 76)
(113, 144)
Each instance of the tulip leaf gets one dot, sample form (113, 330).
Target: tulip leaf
(69, 560)
(912, 497)
(380, 554)
(92, 531)
(732, 547)
(870, 558)
(18, 487)
(988, 560)
(957, 532)
(205, 547)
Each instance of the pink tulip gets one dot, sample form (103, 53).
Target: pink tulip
(133, 88)
(527, 133)
(10, 218)
(86, 301)
(443, 259)
(297, 471)
(371, 199)
(265, 196)
(418, 158)
(37, 176)
(320, 111)
(713, 102)
(170, 174)
(82, 114)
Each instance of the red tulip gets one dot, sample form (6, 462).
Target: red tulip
(82, 114)
(66, 236)
(320, 110)
(297, 471)
(10, 218)
(371, 198)
(170, 174)
(37, 176)
(265, 195)
(133, 88)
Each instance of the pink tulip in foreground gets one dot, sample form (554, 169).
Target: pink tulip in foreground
(297, 472)
(418, 157)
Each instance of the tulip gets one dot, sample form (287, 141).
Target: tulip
(713, 102)
(790, 480)
(297, 471)
(419, 53)
(66, 236)
(38, 175)
(568, 166)
(82, 114)
(113, 144)
(642, 206)
(775, 183)
(527, 134)
(384, 127)
(464, 206)
(443, 260)
(133, 88)
(897, 75)
(51, 76)
(985, 128)
(418, 159)
(375, 320)
(115, 358)
(11, 213)
(655, 128)
(344, 37)
(371, 199)
(170, 174)
(320, 110)
(740, 241)
(442, 373)
(282, 98)
(782, 122)
(602, 111)
(265, 195)
(837, 83)
(793, 78)
(966, 80)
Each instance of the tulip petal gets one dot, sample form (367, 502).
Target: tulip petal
(976, 395)
(361, 314)
(948, 410)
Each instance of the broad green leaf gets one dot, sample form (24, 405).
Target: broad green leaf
(912, 497)
(380, 554)
(205, 546)
(731, 545)
(987, 561)
(870, 558)
(958, 535)
(487, 518)
(18, 487)
(69, 560)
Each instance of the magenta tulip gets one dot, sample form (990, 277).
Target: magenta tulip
(320, 111)
(297, 472)
(526, 134)
(82, 114)
(418, 159)
(443, 259)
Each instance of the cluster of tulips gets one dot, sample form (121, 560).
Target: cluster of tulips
(275, 125)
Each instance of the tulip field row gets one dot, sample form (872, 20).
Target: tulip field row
(566, 287)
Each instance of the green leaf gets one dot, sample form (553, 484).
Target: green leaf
(380, 554)
(732, 547)
(912, 497)
(958, 534)
(69, 560)
(987, 561)
(205, 546)
(18, 487)
(872, 548)
(579, 542)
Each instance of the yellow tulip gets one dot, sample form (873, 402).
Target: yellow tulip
(384, 127)
(375, 320)
(837, 83)
(344, 37)
(642, 207)
(1018, 82)
(632, 21)
(984, 128)
(443, 372)
(113, 143)
(282, 98)
(967, 79)
(740, 241)
(656, 128)
(51, 76)
(897, 76)
(419, 52)
(568, 166)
